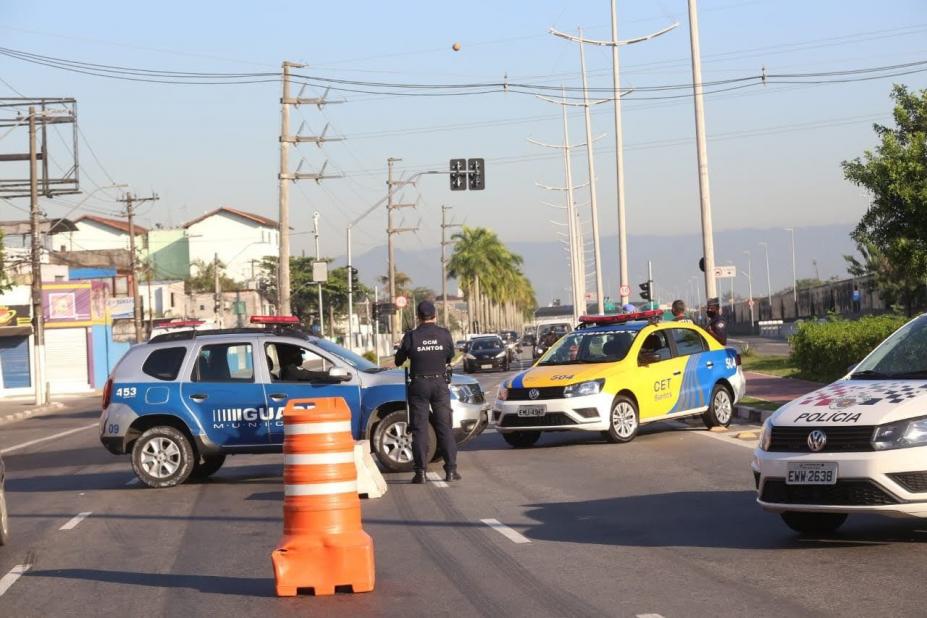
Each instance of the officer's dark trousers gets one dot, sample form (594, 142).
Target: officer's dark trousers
(433, 393)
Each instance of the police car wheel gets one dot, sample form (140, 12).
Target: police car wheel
(208, 466)
(813, 523)
(623, 421)
(521, 439)
(162, 457)
(392, 442)
(721, 409)
(4, 520)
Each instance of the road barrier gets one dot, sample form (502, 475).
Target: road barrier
(324, 545)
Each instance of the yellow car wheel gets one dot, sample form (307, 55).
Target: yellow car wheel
(624, 421)
(720, 409)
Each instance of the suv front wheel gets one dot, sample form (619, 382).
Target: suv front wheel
(4, 519)
(163, 457)
(392, 442)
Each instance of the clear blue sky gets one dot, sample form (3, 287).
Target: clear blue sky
(204, 146)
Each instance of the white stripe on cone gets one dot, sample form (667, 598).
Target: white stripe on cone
(317, 459)
(321, 489)
(316, 428)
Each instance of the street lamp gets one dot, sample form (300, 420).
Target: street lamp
(750, 285)
(768, 282)
(791, 230)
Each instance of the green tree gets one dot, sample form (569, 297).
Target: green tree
(204, 279)
(894, 229)
(888, 271)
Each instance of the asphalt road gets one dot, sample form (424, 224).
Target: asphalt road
(665, 525)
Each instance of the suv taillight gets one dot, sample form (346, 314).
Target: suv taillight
(107, 393)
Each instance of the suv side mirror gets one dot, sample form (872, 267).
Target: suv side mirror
(648, 358)
(339, 374)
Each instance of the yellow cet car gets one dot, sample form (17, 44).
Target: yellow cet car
(617, 372)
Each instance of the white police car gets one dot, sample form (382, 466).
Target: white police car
(184, 400)
(858, 445)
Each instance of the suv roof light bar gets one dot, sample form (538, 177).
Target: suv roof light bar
(274, 319)
(599, 320)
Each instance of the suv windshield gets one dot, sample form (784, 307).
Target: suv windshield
(355, 360)
(580, 347)
(902, 355)
(485, 345)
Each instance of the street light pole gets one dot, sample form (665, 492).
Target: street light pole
(350, 338)
(702, 152)
(768, 281)
(750, 285)
(791, 230)
(318, 257)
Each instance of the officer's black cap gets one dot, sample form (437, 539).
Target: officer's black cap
(426, 310)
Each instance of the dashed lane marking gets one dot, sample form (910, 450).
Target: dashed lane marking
(62, 434)
(10, 578)
(72, 523)
(512, 535)
(436, 479)
(649, 616)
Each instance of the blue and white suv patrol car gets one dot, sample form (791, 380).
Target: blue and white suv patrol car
(183, 401)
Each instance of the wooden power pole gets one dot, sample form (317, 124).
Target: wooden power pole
(131, 203)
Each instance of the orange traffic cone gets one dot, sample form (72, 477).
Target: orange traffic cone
(324, 544)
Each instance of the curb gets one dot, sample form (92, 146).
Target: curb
(19, 416)
(754, 415)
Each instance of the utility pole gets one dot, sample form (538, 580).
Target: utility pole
(318, 257)
(38, 318)
(284, 175)
(390, 232)
(768, 281)
(444, 244)
(791, 230)
(217, 292)
(704, 191)
(350, 338)
(750, 285)
(131, 203)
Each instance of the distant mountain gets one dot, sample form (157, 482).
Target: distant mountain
(675, 261)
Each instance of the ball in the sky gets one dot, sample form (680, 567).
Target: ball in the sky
(456, 46)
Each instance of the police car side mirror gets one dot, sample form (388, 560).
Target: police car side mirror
(338, 374)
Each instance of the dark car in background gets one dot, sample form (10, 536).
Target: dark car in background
(486, 354)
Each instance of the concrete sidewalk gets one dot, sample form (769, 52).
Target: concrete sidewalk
(19, 408)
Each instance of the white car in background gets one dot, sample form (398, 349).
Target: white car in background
(858, 445)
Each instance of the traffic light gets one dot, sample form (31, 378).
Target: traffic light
(458, 174)
(645, 290)
(354, 281)
(476, 179)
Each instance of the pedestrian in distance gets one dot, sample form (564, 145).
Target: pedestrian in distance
(679, 311)
(628, 308)
(429, 349)
(717, 326)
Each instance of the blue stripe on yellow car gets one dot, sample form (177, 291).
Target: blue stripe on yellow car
(519, 381)
(691, 391)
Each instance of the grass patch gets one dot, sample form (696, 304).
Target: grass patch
(761, 404)
(781, 366)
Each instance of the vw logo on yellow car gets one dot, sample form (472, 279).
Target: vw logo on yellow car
(534, 393)
(817, 440)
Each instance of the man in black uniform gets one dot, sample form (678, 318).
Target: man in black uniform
(716, 324)
(430, 349)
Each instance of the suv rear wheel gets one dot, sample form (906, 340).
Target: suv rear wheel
(209, 466)
(163, 457)
(392, 442)
(4, 519)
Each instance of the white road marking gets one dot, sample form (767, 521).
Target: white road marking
(10, 578)
(649, 616)
(17, 447)
(436, 479)
(133, 481)
(75, 520)
(512, 535)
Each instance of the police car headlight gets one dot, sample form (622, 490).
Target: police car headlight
(503, 393)
(582, 389)
(903, 434)
(765, 436)
(469, 356)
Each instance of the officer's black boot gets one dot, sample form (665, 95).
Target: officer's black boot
(452, 475)
(419, 478)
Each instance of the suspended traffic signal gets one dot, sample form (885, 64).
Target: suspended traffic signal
(477, 174)
(354, 281)
(458, 174)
